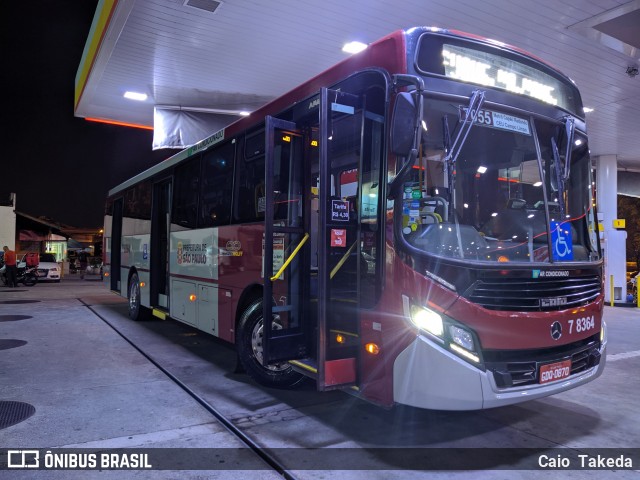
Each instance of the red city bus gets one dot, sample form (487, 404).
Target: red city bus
(415, 225)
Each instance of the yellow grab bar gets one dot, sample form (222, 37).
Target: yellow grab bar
(291, 257)
(342, 260)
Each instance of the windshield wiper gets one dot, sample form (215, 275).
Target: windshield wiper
(471, 113)
(453, 150)
(562, 171)
(570, 128)
(558, 184)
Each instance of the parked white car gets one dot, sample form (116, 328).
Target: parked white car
(48, 268)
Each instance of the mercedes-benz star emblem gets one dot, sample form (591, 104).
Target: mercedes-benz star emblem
(556, 330)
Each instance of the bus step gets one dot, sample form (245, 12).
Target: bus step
(161, 314)
(339, 373)
(306, 366)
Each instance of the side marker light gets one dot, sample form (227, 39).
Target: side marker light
(372, 348)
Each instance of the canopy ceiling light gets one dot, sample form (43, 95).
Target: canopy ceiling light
(354, 47)
(141, 97)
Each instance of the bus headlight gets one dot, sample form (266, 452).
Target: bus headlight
(452, 335)
(462, 337)
(462, 343)
(427, 320)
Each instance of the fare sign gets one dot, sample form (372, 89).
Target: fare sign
(339, 211)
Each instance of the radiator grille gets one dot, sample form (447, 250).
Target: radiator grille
(540, 294)
(516, 369)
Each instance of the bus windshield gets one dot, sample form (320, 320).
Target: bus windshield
(509, 197)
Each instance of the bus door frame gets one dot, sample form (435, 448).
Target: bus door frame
(332, 372)
(116, 244)
(285, 342)
(159, 261)
(278, 345)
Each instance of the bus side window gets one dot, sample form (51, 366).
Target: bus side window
(137, 202)
(217, 181)
(185, 198)
(250, 205)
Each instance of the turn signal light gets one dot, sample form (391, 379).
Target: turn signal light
(142, 284)
(372, 348)
(340, 338)
(192, 297)
(106, 274)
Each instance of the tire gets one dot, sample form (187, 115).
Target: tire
(29, 280)
(249, 346)
(136, 310)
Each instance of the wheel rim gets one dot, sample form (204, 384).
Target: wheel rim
(134, 293)
(257, 338)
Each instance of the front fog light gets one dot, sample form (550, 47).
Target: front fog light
(461, 337)
(427, 320)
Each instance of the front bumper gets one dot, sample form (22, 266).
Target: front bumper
(43, 277)
(426, 375)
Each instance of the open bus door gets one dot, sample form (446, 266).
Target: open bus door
(313, 306)
(116, 245)
(338, 235)
(159, 274)
(286, 334)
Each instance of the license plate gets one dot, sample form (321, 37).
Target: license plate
(555, 371)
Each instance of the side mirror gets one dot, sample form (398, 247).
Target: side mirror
(403, 124)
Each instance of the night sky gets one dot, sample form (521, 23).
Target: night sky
(60, 166)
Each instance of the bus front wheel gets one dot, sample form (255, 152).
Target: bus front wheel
(249, 338)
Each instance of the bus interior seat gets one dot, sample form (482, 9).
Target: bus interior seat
(438, 206)
(430, 217)
(516, 204)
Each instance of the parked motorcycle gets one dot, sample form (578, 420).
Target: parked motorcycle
(25, 275)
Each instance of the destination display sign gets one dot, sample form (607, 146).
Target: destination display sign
(502, 121)
(495, 66)
(495, 71)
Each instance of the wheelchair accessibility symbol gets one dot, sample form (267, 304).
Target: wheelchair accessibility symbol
(562, 242)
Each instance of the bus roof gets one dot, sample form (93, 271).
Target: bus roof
(384, 53)
(387, 53)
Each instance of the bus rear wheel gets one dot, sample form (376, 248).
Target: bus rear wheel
(249, 337)
(136, 310)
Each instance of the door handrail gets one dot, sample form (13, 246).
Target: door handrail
(342, 260)
(291, 257)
